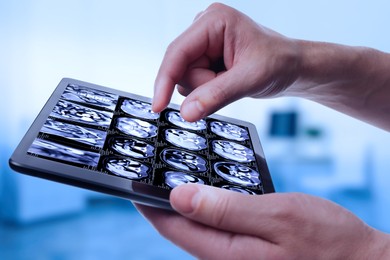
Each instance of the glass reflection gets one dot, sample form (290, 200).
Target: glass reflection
(183, 160)
(78, 113)
(139, 109)
(136, 127)
(237, 173)
(132, 147)
(74, 92)
(61, 152)
(185, 139)
(173, 179)
(229, 131)
(127, 168)
(233, 151)
(77, 133)
(175, 118)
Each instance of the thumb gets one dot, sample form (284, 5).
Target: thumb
(227, 87)
(226, 210)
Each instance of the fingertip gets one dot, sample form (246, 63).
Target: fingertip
(192, 111)
(163, 90)
(156, 106)
(184, 198)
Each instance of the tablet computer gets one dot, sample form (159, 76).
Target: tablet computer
(111, 141)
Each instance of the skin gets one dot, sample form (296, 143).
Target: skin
(224, 56)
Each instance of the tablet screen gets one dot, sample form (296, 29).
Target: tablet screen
(121, 136)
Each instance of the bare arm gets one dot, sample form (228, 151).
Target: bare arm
(352, 80)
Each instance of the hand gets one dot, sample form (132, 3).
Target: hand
(224, 56)
(255, 61)
(220, 224)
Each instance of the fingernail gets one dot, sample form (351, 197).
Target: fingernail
(193, 109)
(184, 198)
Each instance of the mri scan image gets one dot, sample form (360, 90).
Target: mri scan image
(173, 179)
(237, 173)
(61, 152)
(73, 132)
(233, 151)
(183, 160)
(139, 109)
(118, 134)
(238, 189)
(78, 113)
(136, 127)
(132, 147)
(185, 139)
(175, 118)
(229, 131)
(95, 97)
(127, 168)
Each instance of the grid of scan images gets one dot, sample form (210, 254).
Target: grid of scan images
(122, 136)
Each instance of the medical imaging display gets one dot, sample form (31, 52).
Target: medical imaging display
(173, 178)
(233, 151)
(229, 131)
(185, 139)
(121, 136)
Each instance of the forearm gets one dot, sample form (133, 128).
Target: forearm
(352, 80)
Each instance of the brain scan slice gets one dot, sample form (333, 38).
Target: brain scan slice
(229, 131)
(175, 118)
(233, 151)
(127, 168)
(184, 160)
(185, 139)
(136, 127)
(174, 178)
(132, 147)
(139, 109)
(238, 174)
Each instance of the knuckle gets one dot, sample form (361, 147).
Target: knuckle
(216, 6)
(220, 214)
(288, 209)
(218, 94)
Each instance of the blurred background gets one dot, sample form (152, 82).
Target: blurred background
(120, 44)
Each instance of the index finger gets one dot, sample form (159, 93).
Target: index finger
(184, 50)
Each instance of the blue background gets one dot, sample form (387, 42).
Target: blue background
(120, 44)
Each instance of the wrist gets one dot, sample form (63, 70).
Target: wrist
(324, 66)
(352, 80)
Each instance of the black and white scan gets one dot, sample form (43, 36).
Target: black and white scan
(95, 97)
(132, 147)
(65, 153)
(119, 135)
(139, 109)
(127, 168)
(175, 118)
(237, 174)
(185, 139)
(136, 127)
(233, 151)
(229, 131)
(73, 132)
(238, 189)
(173, 179)
(183, 160)
(78, 113)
